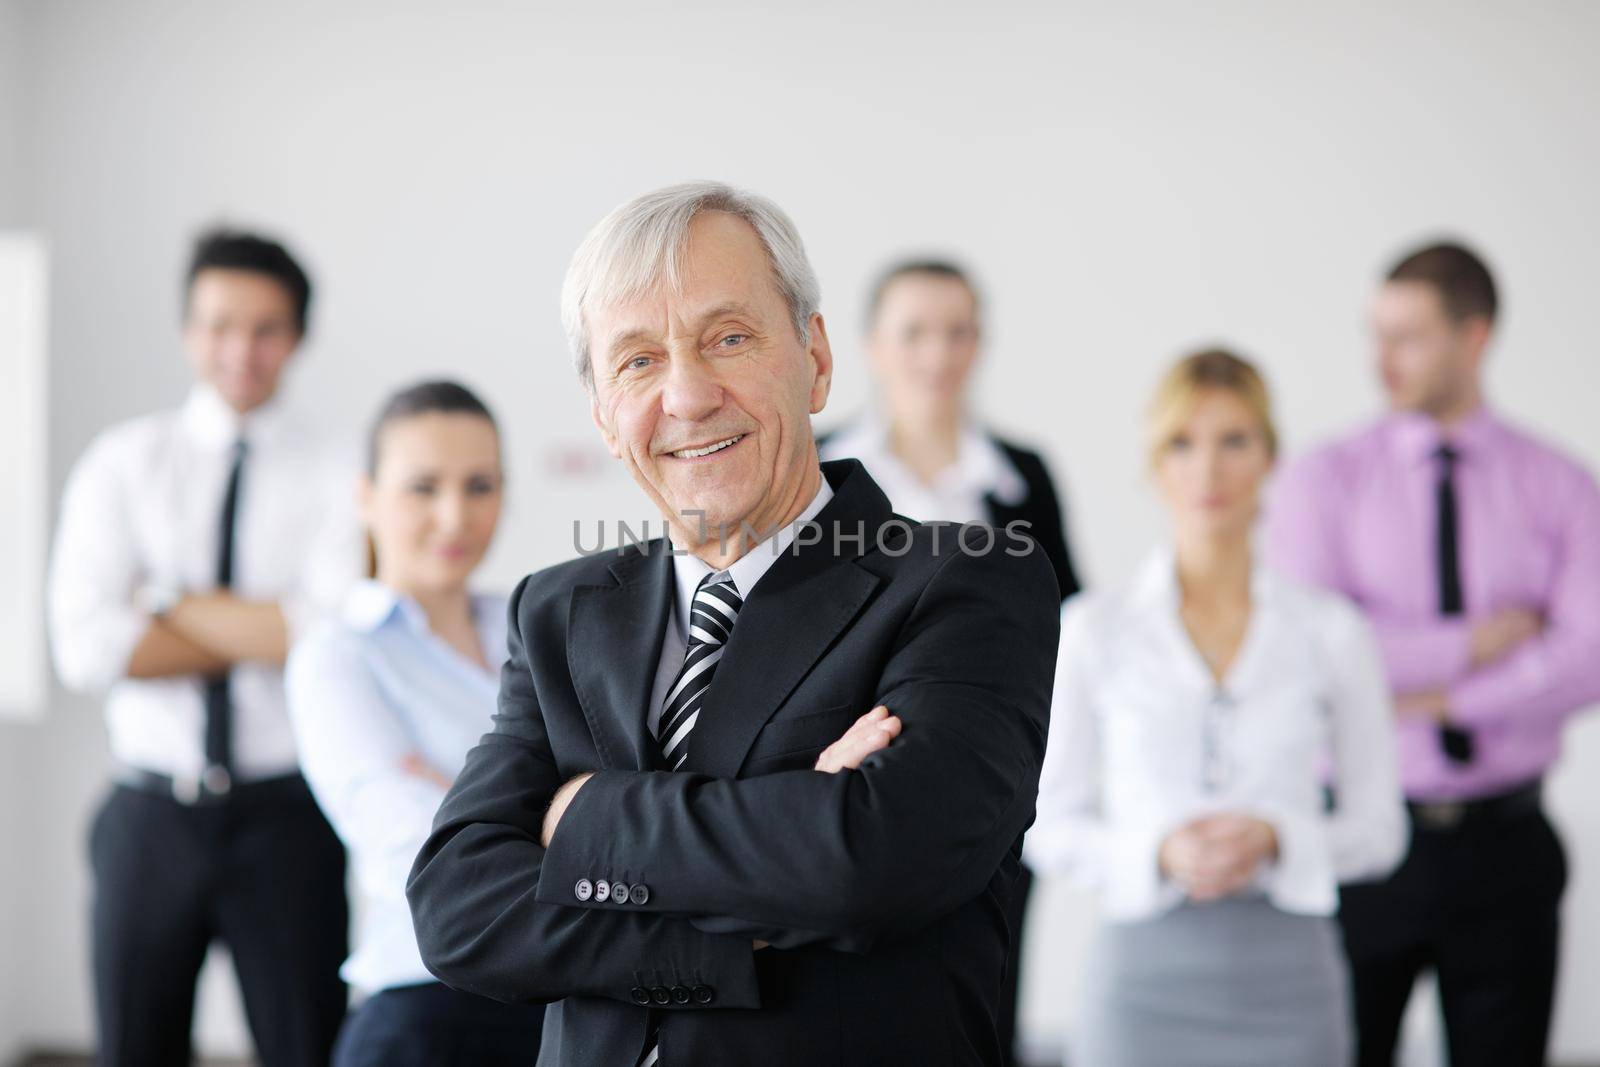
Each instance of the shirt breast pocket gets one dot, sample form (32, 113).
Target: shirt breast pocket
(794, 743)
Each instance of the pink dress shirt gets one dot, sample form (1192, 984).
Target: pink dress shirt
(1358, 516)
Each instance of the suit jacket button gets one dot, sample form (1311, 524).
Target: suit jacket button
(680, 995)
(639, 994)
(639, 893)
(602, 891)
(584, 889)
(703, 994)
(619, 893)
(661, 994)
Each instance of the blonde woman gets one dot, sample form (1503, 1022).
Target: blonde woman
(1194, 712)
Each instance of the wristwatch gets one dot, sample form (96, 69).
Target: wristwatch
(156, 599)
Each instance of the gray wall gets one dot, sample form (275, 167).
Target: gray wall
(14, 943)
(1128, 182)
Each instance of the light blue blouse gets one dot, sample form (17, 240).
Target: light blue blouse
(365, 693)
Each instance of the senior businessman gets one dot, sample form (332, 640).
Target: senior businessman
(756, 791)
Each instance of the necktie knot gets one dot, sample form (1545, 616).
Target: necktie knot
(1447, 455)
(714, 610)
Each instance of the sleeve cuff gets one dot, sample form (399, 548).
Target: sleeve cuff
(1134, 885)
(1301, 878)
(95, 657)
(578, 868)
(715, 970)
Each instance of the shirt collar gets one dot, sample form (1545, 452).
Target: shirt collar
(1156, 582)
(1419, 436)
(371, 604)
(980, 467)
(747, 570)
(207, 417)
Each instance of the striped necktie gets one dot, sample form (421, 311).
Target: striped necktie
(712, 613)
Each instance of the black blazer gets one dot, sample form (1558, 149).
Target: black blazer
(1040, 508)
(881, 890)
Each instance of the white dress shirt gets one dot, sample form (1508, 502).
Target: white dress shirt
(365, 693)
(745, 571)
(958, 492)
(143, 507)
(1143, 741)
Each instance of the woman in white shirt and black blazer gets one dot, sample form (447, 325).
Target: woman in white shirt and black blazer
(1196, 713)
(937, 464)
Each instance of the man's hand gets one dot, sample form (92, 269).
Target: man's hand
(1217, 856)
(558, 806)
(1430, 705)
(1502, 632)
(413, 764)
(871, 732)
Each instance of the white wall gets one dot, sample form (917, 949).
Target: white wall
(1128, 183)
(13, 945)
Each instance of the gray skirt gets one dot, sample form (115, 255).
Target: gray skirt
(1237, 983)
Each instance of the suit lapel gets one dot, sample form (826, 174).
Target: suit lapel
(614, 636)
(798, 609)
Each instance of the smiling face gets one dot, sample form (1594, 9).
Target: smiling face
(433, 499)
(1211, 466)
(239, 332)
(706, 394)
(923, 344)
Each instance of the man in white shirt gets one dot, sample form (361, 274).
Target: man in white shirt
(191, 544)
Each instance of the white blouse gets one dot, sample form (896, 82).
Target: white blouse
(1143, 741)
(958, 494)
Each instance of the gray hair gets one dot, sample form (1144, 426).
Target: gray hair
(640, 245)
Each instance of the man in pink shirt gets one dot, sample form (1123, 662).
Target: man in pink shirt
(1474, 549)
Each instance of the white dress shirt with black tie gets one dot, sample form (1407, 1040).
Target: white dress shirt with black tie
(140, 510)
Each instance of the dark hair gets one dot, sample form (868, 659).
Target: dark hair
(424, 398)
(935, 268)
(223, 249)
(1461, 278)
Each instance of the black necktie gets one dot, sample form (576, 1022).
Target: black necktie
(218, 776)
(1457, 743)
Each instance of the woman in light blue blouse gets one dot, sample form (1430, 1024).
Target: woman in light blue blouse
(387, 701)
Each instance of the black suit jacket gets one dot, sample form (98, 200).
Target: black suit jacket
(880, 890)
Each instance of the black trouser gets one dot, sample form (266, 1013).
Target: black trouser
(1480, 904)
(1005, 1022)
(432, 1025)
(260, 871)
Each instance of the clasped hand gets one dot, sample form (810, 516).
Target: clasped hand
(1217, 856)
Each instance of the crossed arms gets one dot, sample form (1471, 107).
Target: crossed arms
(1521, 663)
(798, 858)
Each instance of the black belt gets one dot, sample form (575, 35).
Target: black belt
(1452, 814)
(211, 789)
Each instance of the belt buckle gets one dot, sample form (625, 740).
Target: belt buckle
(185, 788)
(1441, 815)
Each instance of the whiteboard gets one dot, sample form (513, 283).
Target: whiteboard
(23, 283)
